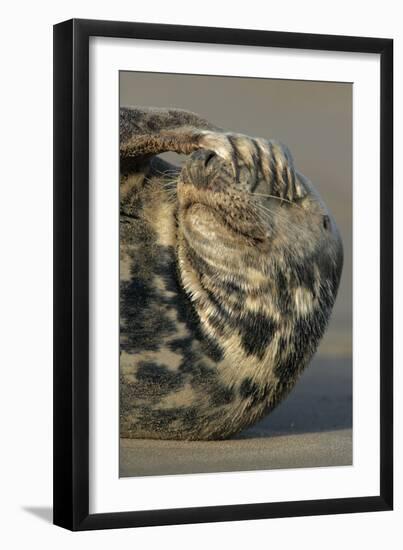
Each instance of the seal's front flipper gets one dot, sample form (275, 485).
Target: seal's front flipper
(146, 132)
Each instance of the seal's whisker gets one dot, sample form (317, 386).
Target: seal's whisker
(286, 224)
(171, 185)
(263, 216)
(171, 200)
(165, 184)
(277, 198)
(168, 172)
(170, 193)
(169, 182)
(279, 216)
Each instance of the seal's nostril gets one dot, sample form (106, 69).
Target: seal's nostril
(204, 156)
(209, 156)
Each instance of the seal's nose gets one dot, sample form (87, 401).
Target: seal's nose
(201, 168)
(204, 156)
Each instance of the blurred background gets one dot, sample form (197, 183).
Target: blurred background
(314, 119)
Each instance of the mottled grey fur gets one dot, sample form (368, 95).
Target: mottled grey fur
(229, 271)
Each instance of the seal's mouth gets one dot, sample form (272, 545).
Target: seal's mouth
(228, 214)
(225, 223)
(207, 190)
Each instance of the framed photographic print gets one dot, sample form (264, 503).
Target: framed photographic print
(223, 319)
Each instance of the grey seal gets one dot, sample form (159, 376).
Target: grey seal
(229, 269)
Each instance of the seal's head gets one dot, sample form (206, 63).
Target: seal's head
(248, 216)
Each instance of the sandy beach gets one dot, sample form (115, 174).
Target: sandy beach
(311, 428)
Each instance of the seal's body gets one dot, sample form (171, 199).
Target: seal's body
(229, 270)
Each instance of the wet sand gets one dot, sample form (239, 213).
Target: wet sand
(311, 428)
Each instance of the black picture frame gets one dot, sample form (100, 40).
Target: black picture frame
(71, 274)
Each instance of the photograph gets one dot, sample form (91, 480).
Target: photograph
(235, 274)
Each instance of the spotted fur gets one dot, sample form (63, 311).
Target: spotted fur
(229, 269)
